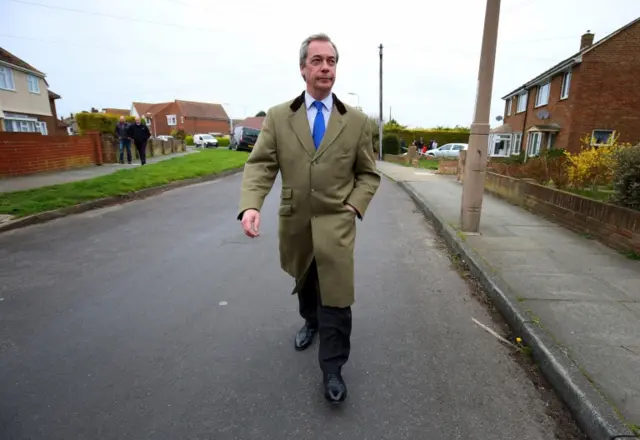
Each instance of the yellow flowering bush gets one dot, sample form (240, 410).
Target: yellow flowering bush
(593, 165)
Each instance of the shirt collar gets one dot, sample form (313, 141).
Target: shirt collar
(309, 100)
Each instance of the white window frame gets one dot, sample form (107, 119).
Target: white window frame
(523, 99)
(42, 127)
(21, 123)
(7, 76)
(534, 143)
(506, 138)
(34, 84)
(516, 144)
(509, 105)
(566, 85)
(543, 94)
(552, 137)
(172, 121)
(609, 142)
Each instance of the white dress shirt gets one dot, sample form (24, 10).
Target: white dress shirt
(312, 111)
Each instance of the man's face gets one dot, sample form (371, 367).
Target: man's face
(319, 70)
(122, 119)
(138, 120)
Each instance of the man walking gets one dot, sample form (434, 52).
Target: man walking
(323, 150)
(121, 134)
(140, 134)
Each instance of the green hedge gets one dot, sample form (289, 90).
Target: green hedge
(223, 142)
(188, 139)
(442, 137)
(102, 122)
(390, 144)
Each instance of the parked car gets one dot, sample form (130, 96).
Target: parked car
(243, 138)
(164, 137)
(205, 140)
(448, 151)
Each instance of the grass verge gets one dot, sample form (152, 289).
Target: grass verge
(33, 201)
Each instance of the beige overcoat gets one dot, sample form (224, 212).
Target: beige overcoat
(316, 184)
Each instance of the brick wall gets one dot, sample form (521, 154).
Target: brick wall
(609, 88)
(195, 126)
(28, 153)
(160, 124)
(613, 225)
(560, 111)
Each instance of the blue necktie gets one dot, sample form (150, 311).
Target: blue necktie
(318, 124)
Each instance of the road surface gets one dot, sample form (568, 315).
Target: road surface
(158, 319)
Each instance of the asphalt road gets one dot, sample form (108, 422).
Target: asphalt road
(158, 319)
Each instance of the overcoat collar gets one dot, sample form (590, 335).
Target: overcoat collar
(300, 125)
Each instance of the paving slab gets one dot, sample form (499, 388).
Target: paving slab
(620, 382)
(562, 286)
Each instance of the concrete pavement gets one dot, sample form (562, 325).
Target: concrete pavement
(112, 329)
(583, 294)
(22, 183)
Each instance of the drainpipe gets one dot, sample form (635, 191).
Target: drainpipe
(524, 127)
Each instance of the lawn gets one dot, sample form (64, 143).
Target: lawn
(207, 162)
(424, 164)
(600, 194)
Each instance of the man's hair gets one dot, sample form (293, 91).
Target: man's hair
(304, 47)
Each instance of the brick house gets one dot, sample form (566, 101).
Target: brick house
(595, 92)
(26, 103)
(252, 122)
(192, 117)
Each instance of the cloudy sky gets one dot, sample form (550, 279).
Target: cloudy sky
(243, 53)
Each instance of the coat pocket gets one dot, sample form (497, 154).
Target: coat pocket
(285, 210)
(286, 193)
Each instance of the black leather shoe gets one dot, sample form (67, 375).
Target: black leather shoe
(304, 337)
(335, 390)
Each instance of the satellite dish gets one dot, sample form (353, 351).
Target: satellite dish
(543, 114)
(498, 118)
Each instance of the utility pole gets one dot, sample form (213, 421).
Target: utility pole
(476, 160)
(381, 123)
(390, 117)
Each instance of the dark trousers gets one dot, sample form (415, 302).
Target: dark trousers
(125, 144)
(333, 324)
(141, 146)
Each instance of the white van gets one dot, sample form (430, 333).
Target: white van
(205, 140)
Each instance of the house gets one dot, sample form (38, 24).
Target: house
(192, 117)
(593, 93)
(116, 111)
(26, 103)
(252, 122)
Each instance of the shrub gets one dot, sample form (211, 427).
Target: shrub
(102, 122)
(390, 144)
(188, 139)
(178, 134)
(593, 166)
(557, 167)
(442, 137)
(536, 168)
(223, 141)
(626, 178)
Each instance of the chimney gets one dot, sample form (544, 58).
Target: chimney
(586, 40)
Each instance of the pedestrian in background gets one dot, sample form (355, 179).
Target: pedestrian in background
(323, 151)
(140, 134)
(122, 135)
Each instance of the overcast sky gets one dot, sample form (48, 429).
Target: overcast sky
(243, 53)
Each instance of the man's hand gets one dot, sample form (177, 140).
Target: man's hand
(251, 223)
(352, 209)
